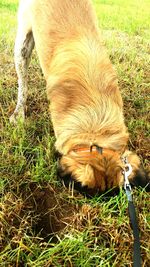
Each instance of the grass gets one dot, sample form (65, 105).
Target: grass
(128, 16)
(93, 232)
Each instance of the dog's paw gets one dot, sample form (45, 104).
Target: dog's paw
(17, 117)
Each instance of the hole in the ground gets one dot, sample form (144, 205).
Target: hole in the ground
(52, 211)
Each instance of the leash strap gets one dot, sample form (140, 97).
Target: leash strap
(134, 226)
(133, 218)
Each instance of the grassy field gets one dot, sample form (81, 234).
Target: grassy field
(34, 204)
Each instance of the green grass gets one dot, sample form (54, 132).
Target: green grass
(97, 231)
(128, 16)
(8, 20)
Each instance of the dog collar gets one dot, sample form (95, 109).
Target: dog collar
(93, 150)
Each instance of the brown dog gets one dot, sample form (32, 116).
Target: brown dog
(85, 102)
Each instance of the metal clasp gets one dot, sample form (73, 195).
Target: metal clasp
(127, 171)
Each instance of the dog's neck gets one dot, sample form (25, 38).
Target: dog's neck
(93, 151)
(114, 142)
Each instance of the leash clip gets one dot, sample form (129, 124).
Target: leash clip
(127, 171)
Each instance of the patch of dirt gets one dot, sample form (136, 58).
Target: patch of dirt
(45, 213)
(54, 213)
(42, 212)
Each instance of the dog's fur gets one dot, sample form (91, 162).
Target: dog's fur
(85, 102)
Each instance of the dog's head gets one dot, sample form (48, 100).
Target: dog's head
(101, 169)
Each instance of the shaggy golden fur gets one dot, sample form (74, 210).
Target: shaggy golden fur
(85, 102)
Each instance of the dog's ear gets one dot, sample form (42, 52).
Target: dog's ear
(139, 177)
(72, 169)
(69, 180)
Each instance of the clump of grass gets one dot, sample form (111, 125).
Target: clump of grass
(41, 223)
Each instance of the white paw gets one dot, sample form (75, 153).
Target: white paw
(17, 116)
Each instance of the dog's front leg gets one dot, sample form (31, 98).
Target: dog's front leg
(23, 49)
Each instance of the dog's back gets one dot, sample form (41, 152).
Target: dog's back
(54, 22)
(79, 74)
